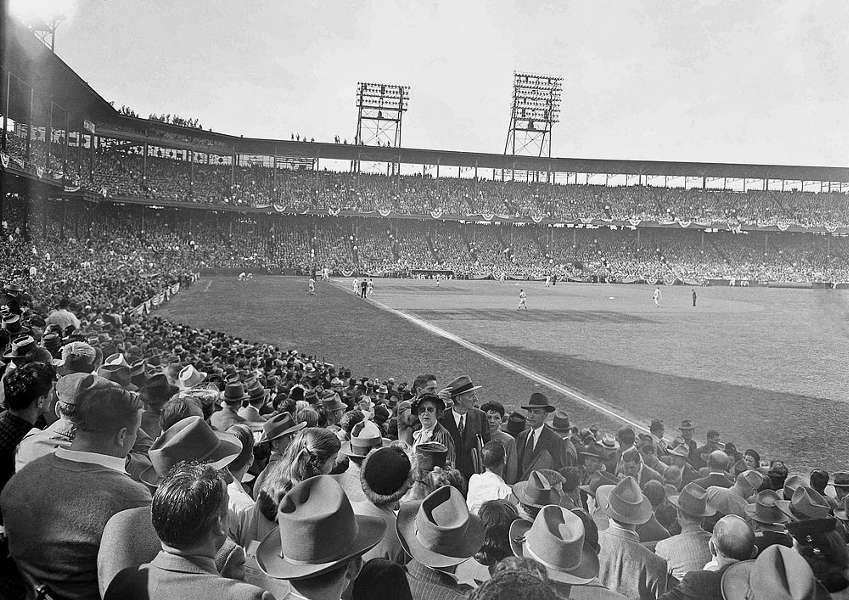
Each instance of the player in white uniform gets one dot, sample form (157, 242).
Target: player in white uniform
(522, 300)
(369, 288)
(312, 287)
(355, 285)
(656, 297)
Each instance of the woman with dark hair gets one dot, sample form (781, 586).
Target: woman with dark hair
(381, 579)
(496, 517)
(752, 459)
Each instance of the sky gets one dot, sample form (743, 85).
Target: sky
(746, 81)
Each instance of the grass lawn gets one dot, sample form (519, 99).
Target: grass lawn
(765, 367)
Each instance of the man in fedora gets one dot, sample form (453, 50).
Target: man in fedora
(232, 398)
(319, 540)
(778, 573)
(257, 399)
(466, 424)
(495, 419)
(688, 429)
(538, 446)
(277, 432)
(535, 493)
(189, 377)
(386, 475)
(840, 484)
(732, 541)
(189, 514)
(567, 545)
(768, 520)
(632, 465)
(688, 550)
(438, 533)
(365, 437)
(626, 566)
(55, 508)
(678, 456)
(563, 427)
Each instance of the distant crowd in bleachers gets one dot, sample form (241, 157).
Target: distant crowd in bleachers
(118, 169)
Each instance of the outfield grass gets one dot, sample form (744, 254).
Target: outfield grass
(765, 367)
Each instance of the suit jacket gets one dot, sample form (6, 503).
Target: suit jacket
(717, 479)
(697, 585)
(511, 464)
(440, 435)
(174, 577)
(427, 584)
(685, 552)
(549, 453)
(129, 540)
(629, 568)
(475, 425)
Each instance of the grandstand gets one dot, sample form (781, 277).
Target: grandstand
(774, 223)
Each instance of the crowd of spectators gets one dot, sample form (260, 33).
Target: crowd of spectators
(67, 245)
(118, 169)
(142, 458)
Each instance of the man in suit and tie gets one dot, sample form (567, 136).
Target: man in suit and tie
(467, 425)
(717, 463)
(538, 446)
(189, 513)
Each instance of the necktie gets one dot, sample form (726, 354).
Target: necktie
(462, 426)
(531, 441)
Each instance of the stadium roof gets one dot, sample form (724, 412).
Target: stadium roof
(33, 64)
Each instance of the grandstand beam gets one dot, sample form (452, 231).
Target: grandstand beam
(67, 148)
(48, 137)
(6, 107)
(29, 124)
(144, 163)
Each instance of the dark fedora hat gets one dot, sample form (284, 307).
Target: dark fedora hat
(279, 425)
(766, 509)
(317, 531)
(516, 423)
(365, 437)
(461, 385)
(692, 501)
(555, 539)
(537, 491)
(12, 323)
(539, 400)
(430, 455)
(561, 423)
(234, 392)
(439, 531)
(189, 439)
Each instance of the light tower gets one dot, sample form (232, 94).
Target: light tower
(380, 114)
(535, 109)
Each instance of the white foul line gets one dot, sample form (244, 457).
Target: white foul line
(517, 368)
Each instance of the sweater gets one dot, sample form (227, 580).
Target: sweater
(55, 511)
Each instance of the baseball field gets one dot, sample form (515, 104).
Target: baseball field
(766, 367)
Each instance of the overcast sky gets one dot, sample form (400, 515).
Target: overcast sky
(734, 81)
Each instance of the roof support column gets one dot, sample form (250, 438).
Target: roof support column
(30, 124)
(6, 108)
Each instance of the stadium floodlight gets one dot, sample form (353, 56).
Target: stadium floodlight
(380, 114)
(535, 109)
(43, 17)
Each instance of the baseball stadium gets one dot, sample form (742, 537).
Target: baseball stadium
(645, 310)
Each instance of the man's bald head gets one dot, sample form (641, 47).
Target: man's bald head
(718, 461)
(733, 538)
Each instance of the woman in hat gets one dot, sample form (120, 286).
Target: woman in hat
(821, 544)
(428, 408)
